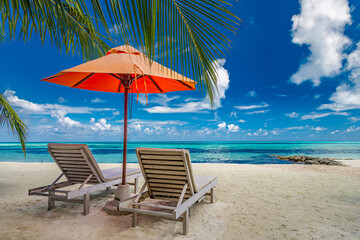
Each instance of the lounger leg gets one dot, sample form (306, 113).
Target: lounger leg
(86, 204)
(185, 222)
(108, 188)
(212, 195)
(136, 185)
(51, 203)
(135, 219)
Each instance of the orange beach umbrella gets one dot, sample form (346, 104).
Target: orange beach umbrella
(121, 70)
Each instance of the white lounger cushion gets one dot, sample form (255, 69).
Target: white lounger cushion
(114, 173)
(202, 181)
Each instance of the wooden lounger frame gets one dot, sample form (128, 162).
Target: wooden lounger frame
(168, 176)
(79, 168)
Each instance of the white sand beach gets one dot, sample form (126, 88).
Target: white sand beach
(251, 202)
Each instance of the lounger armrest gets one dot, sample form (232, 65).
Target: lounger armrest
(193, 199)
(130, 200)
(46, 188)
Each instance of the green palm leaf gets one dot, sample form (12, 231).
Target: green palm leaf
(187, 36)
(66, 23)
(9, 117)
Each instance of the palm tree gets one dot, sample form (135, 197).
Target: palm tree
(187, 36)
(9, 117)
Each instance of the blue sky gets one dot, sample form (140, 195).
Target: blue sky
(293, 74)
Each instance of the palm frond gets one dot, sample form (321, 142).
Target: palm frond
(9, 117)
(66, 23)
(187, 36)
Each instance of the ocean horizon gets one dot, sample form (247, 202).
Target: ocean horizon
(249, 152)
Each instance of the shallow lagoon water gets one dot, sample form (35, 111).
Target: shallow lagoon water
(210, 152)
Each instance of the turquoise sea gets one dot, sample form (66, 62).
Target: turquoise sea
(211, 152)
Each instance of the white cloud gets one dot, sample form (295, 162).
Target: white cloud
(314, 115)
(100, 125)
(222, 126)
(248, 107)
(347, 95)
(223, 81)
(353, 129)
(97, 100)
(116, 113)
(296, 128)
(161, 99)
(59, 112)
(46, 109)
(292, 115)
(264, 132)
(318, 129)
(321, 25)
(336, 131)
(233, 128)
(233, 114)
(317, 96)
(281, 95)
(151, 123)
(354, 119)
(251, 94)
(61, 100)
(64, 121)
(241, 121)
(138, 127)
(258, 112)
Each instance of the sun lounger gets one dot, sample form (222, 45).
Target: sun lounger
(168, 176)
(79, 167)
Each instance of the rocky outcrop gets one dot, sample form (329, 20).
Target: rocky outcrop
(309, 160)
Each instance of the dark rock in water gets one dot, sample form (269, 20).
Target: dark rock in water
(309, 160)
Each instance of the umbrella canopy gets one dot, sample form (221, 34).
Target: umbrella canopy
(112, 73)
(122, 69)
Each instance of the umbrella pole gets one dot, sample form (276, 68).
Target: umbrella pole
(125, 134)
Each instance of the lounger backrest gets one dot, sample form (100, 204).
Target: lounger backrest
(166, 172)
(76, 162)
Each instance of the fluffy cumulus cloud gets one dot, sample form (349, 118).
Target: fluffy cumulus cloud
(231, 128)
(59, 113)
(222, 126)
(347, 95)
(223, 80)
(321, 25)
(100, 125)
(64, 121)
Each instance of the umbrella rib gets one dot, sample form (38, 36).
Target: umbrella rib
(83, 80)
(117, 77)
(185, 84)
(155, 83)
